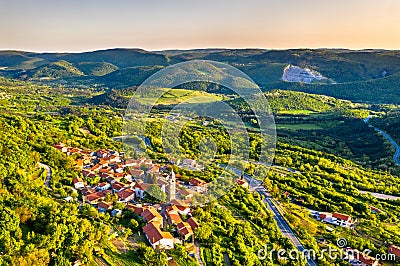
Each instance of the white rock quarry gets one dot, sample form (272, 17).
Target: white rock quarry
(297, 74)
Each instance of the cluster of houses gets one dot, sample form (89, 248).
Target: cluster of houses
(125, 179)
(182, 232)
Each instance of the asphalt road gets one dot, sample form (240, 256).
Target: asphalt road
(397, 153)
(280, 220)
(394, 143)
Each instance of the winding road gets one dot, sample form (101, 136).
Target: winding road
(48, 175)
(394, 143)
(281, 222)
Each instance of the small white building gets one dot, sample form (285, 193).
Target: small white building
(337, 219)
(78, 183)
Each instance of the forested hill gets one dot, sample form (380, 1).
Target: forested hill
(365, 76)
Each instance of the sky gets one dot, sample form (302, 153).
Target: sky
(86, 25)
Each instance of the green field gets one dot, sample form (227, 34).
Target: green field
(295, 112)
(298, 126)
(177, 96)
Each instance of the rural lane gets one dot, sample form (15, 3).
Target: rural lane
(48, 174)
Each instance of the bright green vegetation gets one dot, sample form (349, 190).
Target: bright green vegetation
(325, 154)
(297, 103)
(55, 70)
(328, 183)
(388, 120)
(96, 69)
(298, 126)
(361, 76)
(176, 96)
(238, 225)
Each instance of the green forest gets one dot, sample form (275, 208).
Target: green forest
(327, 158)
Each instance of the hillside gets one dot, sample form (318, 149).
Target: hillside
(56, 70)
(96, 68)
(363, 76)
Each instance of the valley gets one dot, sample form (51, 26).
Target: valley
(336, 154)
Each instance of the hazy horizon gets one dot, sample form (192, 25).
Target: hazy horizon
(76, 26)
(199, 48)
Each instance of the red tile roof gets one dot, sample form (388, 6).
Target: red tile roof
(178, 203)
(184, 228)
(95, 196)
(342, 217)
(136, 173)
(394, 250)
(88, 191)
(241, 182)
(375, 209)
(366, 259)
(118, 186)
(136, 209)
(175, 218)
(142, 186)
(154, 234)
(193, 222)
(151, 214)
(104, 205)
(197, 182)
(103, 184)
(124, 194)
(96, 167)
(77, 180)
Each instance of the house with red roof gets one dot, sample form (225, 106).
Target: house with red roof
(341, 219)
(185, 193)
(137, 209)
(104, 207)
(157, 238)
(126, 195)
(374, 209)
(394, 250)
(103, 186)
(336, 218)
(136, 173)
(186, 232)
(242, 183)
(193, 222)
(96, 168)
(61, 147)
(78, 183)
(173, 218)
(359, 259)
(94, 198)
(118, 187)
(140, 189)
(198, 185)
(151, 215)
(102, 153)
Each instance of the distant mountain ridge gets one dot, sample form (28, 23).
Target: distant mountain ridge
(121, 68)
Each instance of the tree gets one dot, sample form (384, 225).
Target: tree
(155, 193)
(133, 224)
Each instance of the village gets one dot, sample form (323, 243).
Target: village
(128, 182)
